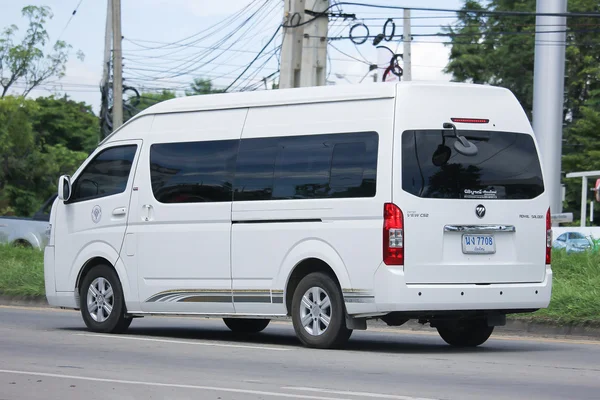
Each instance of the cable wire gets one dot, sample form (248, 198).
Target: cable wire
(255, 58)
(69, 21)
(480, 12)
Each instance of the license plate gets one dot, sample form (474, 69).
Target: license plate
(478, 244)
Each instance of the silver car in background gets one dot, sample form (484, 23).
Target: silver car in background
(573, 242)
(28, 232)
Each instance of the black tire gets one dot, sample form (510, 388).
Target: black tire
(470, 333)
(336, 334)
(117, 322)
(243, 325)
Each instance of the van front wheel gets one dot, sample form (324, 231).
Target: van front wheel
(318, 312)
(102, 302)
(470, 333)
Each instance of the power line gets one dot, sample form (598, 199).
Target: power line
(177, 45)
(349, 56)
(253, 37)
(134, 41)
(537, 42)
(258, 70)
(255, 58)
(69, 21)
(236, 15)
(149, 69)
(194, 63)
(488, 33)
(468, 11)
(185, 67)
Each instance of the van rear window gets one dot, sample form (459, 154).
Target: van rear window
(506, 166)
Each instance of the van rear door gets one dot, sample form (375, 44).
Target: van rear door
(475, 219)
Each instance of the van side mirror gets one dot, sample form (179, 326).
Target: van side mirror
(64, 187)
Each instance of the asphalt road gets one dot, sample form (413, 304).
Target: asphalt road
(48, 354)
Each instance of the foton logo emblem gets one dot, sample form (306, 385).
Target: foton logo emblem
(480, 211)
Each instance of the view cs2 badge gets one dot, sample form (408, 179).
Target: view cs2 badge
(96, 214)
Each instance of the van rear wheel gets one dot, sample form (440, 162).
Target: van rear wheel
(318, 312)
(102, 302)
(243, 325)
(470, 333)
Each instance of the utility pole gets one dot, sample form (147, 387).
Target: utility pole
(107, 44)
(105, 120)
(291, 48)
(407, 39)
(314, 45)
(117, 66)
(548, 93)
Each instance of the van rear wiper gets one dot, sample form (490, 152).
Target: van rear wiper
(462, 144)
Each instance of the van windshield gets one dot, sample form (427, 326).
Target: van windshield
(506, 166)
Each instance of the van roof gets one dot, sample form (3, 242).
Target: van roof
(317, 94)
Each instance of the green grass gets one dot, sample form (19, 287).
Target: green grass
(575, 291)
(21, 271)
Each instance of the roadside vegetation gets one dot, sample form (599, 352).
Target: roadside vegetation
(21, 271)
(575, 292)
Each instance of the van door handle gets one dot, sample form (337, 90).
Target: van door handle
(117, 212)
(147, 213)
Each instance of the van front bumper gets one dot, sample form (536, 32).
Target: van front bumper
(391, 293)
(55, 299)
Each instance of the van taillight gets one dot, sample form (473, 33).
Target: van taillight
(548, 238)
(393, 235)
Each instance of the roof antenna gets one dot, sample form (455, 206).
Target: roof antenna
(462, 144)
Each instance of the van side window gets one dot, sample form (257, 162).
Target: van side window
(354, 169)
(107, 174)
(307, 167)
(193, 172)
(302, 171)
(254, 169)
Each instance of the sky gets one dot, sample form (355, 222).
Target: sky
(222, 52)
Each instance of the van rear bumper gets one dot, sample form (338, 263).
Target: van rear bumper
(393, 294)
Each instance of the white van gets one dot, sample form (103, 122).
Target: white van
(329, 205)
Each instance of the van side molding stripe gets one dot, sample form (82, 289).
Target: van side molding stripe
(244, 296)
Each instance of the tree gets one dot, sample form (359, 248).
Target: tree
(581, 152)
(467, 56)
(34, 135)
(150, 99)
(499, 50)
(137, 104)
(26, 63)
(61, 121)
(202, 86)
(496, 49)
